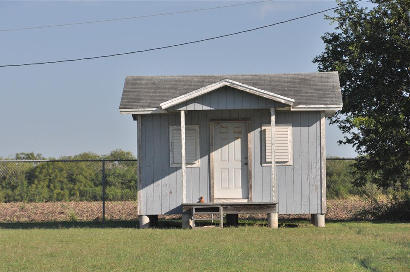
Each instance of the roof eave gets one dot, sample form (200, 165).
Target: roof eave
(142, 111)
(317, 107)
(328, 109)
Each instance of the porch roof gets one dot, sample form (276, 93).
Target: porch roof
(303, 91)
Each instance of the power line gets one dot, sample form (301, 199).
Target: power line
(132, 17)
(169, 46)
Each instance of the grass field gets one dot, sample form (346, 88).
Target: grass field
(348, 246)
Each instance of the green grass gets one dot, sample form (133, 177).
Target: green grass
(349, 246)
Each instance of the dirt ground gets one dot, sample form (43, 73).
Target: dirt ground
(337, 209)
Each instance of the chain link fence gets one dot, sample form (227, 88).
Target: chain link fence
(96, 190)
(68, 190)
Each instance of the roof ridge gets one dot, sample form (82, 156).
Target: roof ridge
(227, 75)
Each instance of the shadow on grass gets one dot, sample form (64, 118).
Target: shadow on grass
(69, 224)
(175, 223)
(388, 212)
(366, 263)
(161, 224)
(133, 224)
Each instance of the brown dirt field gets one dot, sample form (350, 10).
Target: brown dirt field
(337, 209)
(66, 211)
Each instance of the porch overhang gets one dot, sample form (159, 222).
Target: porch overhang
(231, 83)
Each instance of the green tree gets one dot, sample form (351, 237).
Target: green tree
(121, 176)
(370, 49)
(29, 156)
(119, 154)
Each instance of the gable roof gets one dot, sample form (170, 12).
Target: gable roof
(309, 91)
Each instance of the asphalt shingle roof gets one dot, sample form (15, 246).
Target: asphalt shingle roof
(320, 88)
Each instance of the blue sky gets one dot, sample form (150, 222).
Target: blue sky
(65, 109)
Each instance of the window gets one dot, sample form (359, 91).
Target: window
(283, 144)
(191, 146)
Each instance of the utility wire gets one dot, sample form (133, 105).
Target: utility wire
(132, 17)
(168, 46)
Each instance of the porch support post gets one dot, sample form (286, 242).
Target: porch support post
(187, 222)
(318, 220)
(183, 162)
(273, 222)
(143, 221)
(272, 137)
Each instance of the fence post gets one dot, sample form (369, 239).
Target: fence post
(103, 191)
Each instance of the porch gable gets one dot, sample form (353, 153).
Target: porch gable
(228, 98)
(211, 97)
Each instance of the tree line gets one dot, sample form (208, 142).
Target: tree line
(68, 181)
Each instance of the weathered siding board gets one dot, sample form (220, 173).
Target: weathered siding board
(226, 98)
(190, 174)
(312, 162)
(205, 103)
(195, 171)
(256, 160)
(237, 102)
(304, 154)
(149, 167)
(288, 179)
(173, 120)
(204, 147)
(156, 191)
(289, 172)
(264, 117)
(142, 201)
(178, 177)
(298, 183)
(297, 164)
(288, 187)
(163, 167)
(281, 180)
(267, 184)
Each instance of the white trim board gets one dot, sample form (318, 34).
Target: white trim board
(142, 111)
(317, 108)
(328, 109)
(230, 83)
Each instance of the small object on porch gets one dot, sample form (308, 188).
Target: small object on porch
(201, 200)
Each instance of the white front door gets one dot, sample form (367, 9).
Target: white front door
(230, 161)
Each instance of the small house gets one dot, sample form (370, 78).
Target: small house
(232, 144)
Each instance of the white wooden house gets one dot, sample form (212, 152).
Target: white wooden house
(214, 137)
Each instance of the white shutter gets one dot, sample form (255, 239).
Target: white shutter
(283, 143)
(191, 145)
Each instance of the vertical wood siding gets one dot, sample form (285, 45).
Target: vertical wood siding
(227, 98)
(298, 184)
